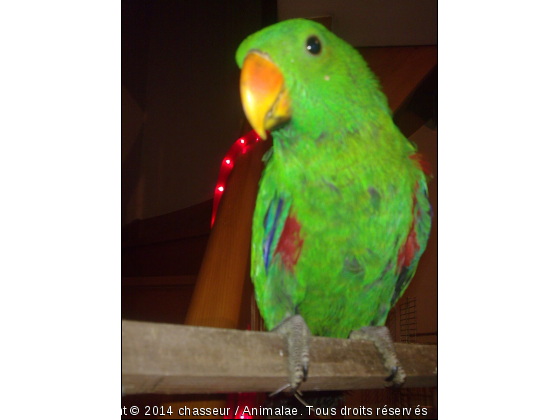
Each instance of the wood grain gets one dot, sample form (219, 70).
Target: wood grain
(175, 359)
(218, 293)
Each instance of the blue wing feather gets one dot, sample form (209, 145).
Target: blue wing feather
(271, 229)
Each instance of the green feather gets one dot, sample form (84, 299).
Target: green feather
(344, 172)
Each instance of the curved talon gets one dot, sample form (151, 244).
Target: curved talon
(394, 371)
(305, 372)
(299, 397)
(279, 390)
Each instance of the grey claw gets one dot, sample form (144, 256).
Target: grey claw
(305, 372)
(279, 390)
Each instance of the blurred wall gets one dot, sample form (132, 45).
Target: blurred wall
(181, 106)
(132, 123)
(371, 23)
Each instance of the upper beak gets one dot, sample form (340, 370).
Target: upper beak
(265, 100)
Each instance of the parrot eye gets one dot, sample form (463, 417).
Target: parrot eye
(313, 45)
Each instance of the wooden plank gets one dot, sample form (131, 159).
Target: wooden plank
(218, 293)
(175, 359)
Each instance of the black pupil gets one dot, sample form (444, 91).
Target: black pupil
(313, 45)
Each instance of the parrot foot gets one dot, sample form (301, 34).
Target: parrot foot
(381, 338)
(297, 335)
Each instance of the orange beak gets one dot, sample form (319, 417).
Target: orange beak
(265, 100)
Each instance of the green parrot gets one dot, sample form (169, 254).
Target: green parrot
(342, 214)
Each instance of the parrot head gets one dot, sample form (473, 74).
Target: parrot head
(298, 72)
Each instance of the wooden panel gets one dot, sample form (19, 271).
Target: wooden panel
(173, 359)
(192, 221)
(159, 281)
(400, 69)
(420, 107)
(326, 21)
(156, 299)
(170, 258)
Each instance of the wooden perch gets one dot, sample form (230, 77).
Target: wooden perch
(176, 359)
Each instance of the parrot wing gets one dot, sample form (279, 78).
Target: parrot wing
(276, 246)
(416, 241)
